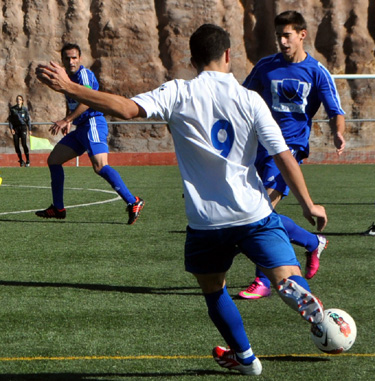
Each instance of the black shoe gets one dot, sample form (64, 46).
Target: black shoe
(370, 230)
(22, 163)
(134, 210)
(52, 212)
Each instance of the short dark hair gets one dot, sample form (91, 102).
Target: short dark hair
(70, 46)
(208, 43)
(293, 18)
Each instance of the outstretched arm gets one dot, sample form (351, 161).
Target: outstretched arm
(293, 176)
(55, 77)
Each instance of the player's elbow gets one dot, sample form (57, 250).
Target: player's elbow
(129, 110)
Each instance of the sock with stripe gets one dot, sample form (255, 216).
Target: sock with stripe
(227, 319)
(114, 179)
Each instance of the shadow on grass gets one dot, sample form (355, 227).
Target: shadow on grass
(52, 221)
(109, 376)
(344, 234)
(144, 375)
(55, 221)
(106, 288)
(294, 358)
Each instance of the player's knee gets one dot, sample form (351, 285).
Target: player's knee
(50, 160)
(97, 168)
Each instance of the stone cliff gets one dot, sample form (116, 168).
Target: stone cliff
(135, 45)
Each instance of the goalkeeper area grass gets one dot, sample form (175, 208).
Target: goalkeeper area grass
(92, 298)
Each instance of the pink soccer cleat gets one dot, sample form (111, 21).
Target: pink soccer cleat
(256, 290)
(312, 258)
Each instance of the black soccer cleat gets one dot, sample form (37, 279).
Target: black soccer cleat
(52, 212)
(370, 230)
(134, 210)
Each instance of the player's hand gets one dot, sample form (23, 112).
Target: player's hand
(339, 143)
(53, 75)
(318, 213)
(65, 130)
(60, 125)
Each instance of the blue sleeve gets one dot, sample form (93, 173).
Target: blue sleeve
(328, 93)
(88, 79)
(252, 82)
(84, 77)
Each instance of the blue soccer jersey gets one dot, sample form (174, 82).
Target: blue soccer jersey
(86, 78)
(294, 93)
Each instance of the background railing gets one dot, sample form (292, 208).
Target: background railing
(364, 146)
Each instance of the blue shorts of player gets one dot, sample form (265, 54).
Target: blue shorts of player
(90, 136)
(264, 242)
(270, 174)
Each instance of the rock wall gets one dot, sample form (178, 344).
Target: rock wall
(135, 45)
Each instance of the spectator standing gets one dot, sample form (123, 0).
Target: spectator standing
(19, 125)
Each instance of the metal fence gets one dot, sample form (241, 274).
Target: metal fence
(322, 121)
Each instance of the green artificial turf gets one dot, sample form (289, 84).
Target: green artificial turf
(92, 298)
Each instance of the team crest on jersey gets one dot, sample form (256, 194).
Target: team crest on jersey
(289, 95)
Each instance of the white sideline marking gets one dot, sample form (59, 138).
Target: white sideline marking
(67, 207)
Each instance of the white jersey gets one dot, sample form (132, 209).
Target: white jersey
(215, 124)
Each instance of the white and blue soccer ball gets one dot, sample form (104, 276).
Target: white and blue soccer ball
(336, 333)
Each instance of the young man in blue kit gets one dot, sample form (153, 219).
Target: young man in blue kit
(294, 85)
(226, 204)
(90, 135)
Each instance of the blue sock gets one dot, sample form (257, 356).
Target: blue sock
(298, 235)
(114, 179)
(57, 185)
(301, 281)
(263, 278)
(227, 319)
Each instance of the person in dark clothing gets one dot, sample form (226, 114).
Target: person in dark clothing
(19, 124)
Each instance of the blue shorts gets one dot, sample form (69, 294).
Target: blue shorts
(270, 174)
(265, 242)
(90, 136)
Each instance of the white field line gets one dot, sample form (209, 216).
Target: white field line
(66, 207)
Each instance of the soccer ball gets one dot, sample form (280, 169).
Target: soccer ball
(336, 333)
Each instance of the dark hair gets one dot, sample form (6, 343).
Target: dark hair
(208, 43)
(70, 46)
(293, 18)
(20, 97)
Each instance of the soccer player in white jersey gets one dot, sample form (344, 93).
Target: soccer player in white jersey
(294, 85)
(90, 135)
(216, 124)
